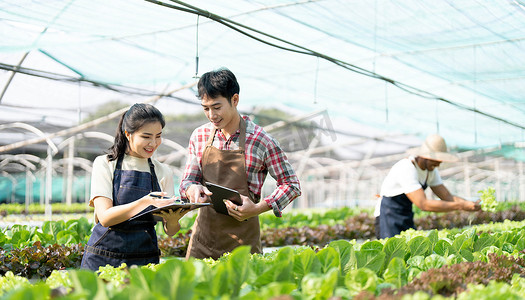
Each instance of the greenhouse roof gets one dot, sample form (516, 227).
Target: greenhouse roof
(410, 67)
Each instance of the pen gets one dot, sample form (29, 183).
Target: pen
(158, 196)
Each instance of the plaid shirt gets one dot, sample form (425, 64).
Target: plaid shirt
(263, 154)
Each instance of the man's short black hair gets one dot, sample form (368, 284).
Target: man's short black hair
(220, 82)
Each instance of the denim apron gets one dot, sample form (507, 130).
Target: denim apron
(131, 242)
(396, 214)
(213, 233)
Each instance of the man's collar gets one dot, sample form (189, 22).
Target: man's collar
(250, 126)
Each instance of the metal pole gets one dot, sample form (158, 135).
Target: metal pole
(69, 184)
(521, 182)
(4, 90)
(42, 197)
(29, 188)
(49, 183)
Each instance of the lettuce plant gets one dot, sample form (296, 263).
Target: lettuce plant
(488, 200)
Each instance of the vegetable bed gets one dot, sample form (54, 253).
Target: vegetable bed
(460, 261)
(467, 264)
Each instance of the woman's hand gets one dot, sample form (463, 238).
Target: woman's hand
(159, 199)
(172, 216)
(109, 215)
(171, 219)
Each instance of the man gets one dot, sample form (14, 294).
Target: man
(233, 152)
(405, 184)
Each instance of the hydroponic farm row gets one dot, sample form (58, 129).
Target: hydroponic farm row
(325, 262)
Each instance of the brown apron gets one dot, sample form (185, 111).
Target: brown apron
(213, 233)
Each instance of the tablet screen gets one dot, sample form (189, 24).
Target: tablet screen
(219, 193)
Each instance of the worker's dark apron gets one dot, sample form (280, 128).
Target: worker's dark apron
(213, 233)
(131, 242)
(396, 214)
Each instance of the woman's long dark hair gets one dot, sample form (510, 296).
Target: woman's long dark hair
(131, 121)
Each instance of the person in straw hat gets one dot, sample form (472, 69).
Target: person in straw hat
(405, 183)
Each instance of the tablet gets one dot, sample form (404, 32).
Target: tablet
(219, 193)
(147, 214)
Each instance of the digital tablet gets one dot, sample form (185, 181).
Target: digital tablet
(219, 193)
(147, 214)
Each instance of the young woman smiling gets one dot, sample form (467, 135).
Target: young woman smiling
(122, 185)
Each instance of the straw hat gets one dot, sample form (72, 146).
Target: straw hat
(434, 148)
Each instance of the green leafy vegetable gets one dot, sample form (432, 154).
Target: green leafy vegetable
(488, 200)
(360, 280)
(396, 273)
(10, 281)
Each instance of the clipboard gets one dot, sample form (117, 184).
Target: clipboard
(147, 214)
(219, 193)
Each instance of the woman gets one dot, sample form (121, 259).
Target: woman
(124, 182)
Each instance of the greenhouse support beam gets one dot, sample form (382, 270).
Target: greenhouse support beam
(51, 22)
(49, 183)
(84, 126)
(30, 178)
(521, 183)
(292, 47)
(69, 172)
(42, 136)
(8, 83)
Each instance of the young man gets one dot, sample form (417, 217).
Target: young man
(233, 152)
(405, 184)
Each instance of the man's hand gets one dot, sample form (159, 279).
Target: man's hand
(197, 193)
(247, 210)
(471, 206)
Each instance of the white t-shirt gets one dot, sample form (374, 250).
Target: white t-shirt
(102, 175)
(406, 177)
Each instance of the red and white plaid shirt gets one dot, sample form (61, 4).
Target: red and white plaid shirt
(263, 154)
